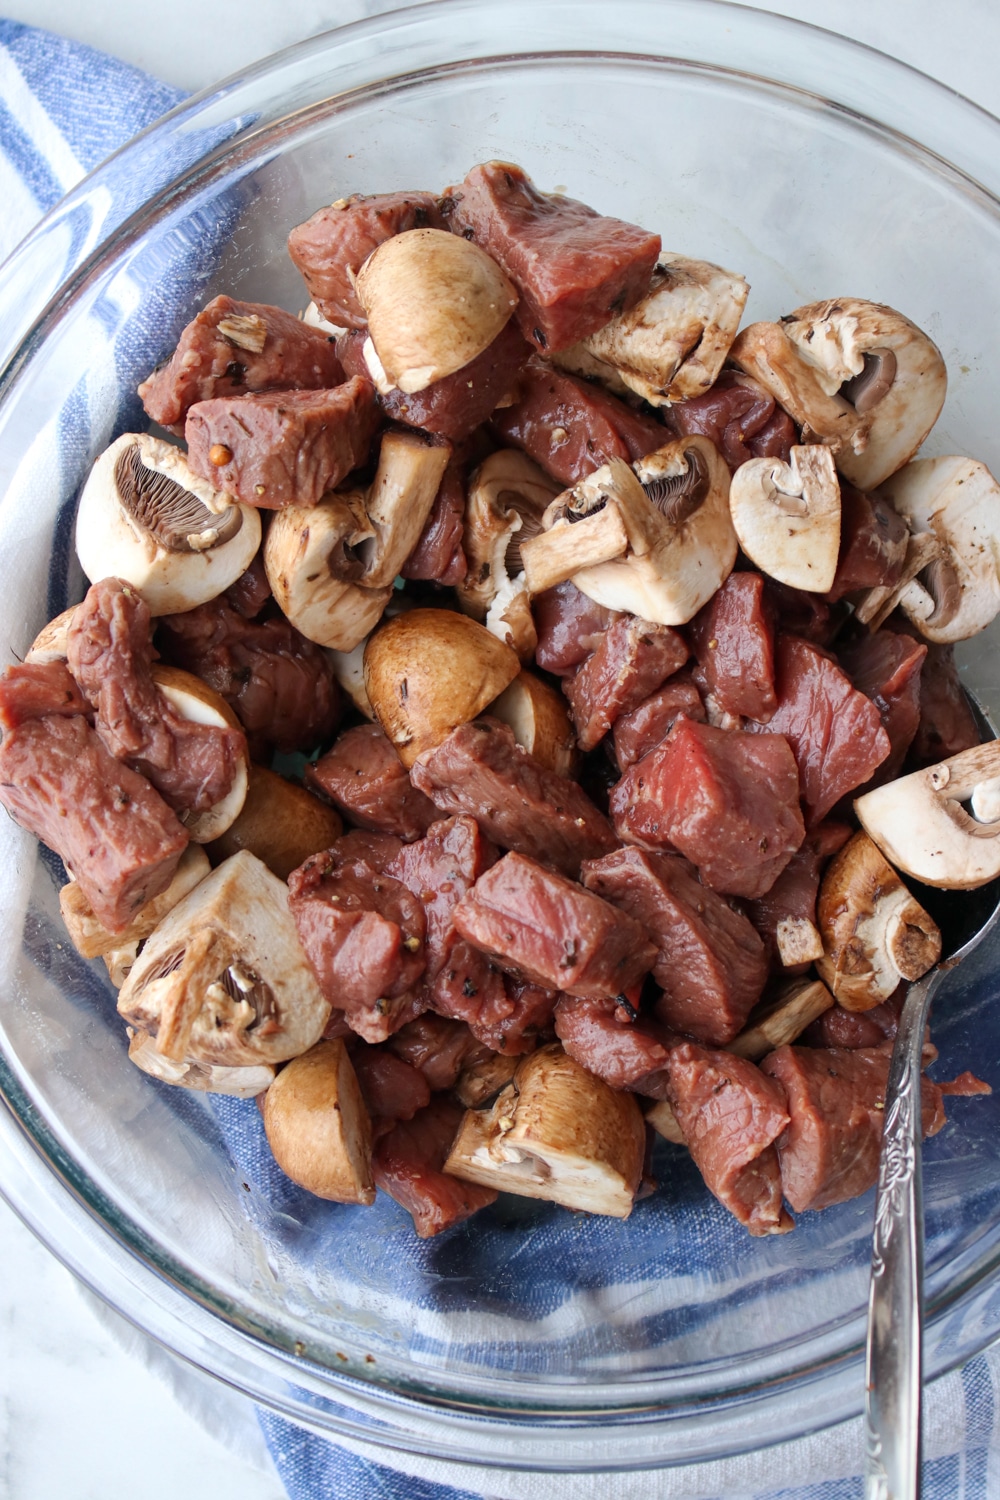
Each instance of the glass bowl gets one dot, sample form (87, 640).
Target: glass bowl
(531, 1337)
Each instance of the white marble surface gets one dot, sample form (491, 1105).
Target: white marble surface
(80, 1418)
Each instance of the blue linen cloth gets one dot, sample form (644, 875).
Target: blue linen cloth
(63, 109)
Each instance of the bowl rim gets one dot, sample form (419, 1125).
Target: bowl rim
(837, 1368)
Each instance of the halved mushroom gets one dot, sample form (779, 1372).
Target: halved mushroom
(315, 319)
(238, 1083)
(672, 344)
(349, 670)
(280, 822)
(921, 824)
(92, 939)
(955, 504)
(50, 642)
(408, 476)
(874, 932)
(874, 606)
(779, 1020)
(787, 517)
(193, 699)
(507, 497)
(429, 670)
(145, 516)
(663, 1120)
(481, 1081)
(855, 375)
(314, 568)
(434, 302)
(223, 979)
(318, 1128)
(674, 508)
(539, 718)
(556, 1132)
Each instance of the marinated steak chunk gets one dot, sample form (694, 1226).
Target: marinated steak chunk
(279, 685)
(407, 1164)
(251, 591)
(391, 1088)
(32, 690)
(731, 1114)
(947, 724)
(728, 801)
(439, 554)
(331, 247)
(548, 930)
(633, 658)
(365, 778)
(838, 1027)
(873, 539)
(571, 428)
(574, 268)
(645, 727)
(887, 669)
(607, 1039)
(834, 731)
(733, 639)
(739, 416)
(454, 407)
(363, 934)
(569, 625)
(514, 1027)
(110, 652)
(785, 916)
(438, 1048)
(232, 348)
(480, 769)
(279, 448)
(836, 1102)
(711, 965)
(117, 837)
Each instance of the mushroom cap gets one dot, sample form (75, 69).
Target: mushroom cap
(194, 700)
(313, 570)
(672, 344)
(887, 368)
(787, 517)
(146, 517)
(280, 822)
(921, 826)
(318, 1128)
(206, 1078)
(50, 642)
(429, 670)
(540, 722)
(874, 932)
(556, 1132)
(956, 501)
(689, 536)
(434, 302)
(507, 497)
(765, 352)
(223, 978)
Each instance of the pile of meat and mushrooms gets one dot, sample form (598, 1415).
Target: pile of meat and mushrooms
(617, 647)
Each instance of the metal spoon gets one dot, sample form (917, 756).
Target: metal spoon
(895, 1300)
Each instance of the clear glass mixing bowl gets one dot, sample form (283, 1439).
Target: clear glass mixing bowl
(532, 1336)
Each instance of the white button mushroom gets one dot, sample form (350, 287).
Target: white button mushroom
(787, 517)
(145, 516)
(922, 826)
(318, 1128)
(955, 502)
(206, 1078)
(507, 497)
(556, 1132)
(223, 979)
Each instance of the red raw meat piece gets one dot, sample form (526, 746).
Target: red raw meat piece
(574, 268)
(739, 416)
(439, 554)
(365, 778)
(569, 626)
(610, 1041)
(633, 658)
(873, 540)
(32, 690)
(733, 639)
(391, 1088)
(887, 668)
(407, 1165)
(647, 726)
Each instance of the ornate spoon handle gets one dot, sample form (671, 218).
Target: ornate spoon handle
(895, 1302)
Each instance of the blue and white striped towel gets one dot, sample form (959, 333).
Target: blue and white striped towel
(63, 109)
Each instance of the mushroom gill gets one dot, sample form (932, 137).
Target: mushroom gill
(173, 516)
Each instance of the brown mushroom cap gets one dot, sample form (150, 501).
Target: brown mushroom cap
(318, 1128)
(280, 822)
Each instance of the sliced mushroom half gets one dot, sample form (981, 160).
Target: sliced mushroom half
(318, 1128)
(280, 822)
(540, 722)
(434, 302)
(508, 495)
(314, 567)
(674, 508)
(874, 932)
(924, 823)
(50, 642)
(429, 670)
(556, 1132)
(954, 505)
(672, 344)
(239, 1083)
(194, 700)
(145, 516)
(223, 979)
(787, 517)
(408, 476)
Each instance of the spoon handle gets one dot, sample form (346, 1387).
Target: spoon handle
(895, 1302)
